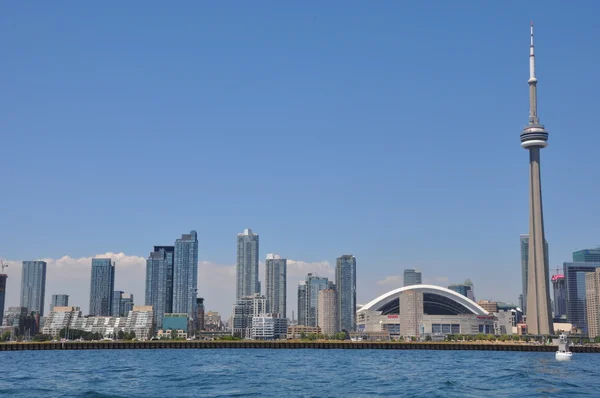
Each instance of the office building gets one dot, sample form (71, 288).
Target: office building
(122, 303)
(212, 321)
(276, 280)
(159, 281)
(328, 319)
(592, 296)
(576, 297)
(102, 286)
(300, 331)
(345, 285)
(269, 327)
(185, 274)
(560, 296)
(533, 138)
(412, 277)
(175, 322)
(524, 240)
(308, 299)
(200, 313)
(59, 300)
(466, 289)
(33, 286)
(489, 306)
(247, 283)
(3, 278)
(587, 256)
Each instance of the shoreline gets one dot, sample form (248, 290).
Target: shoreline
(200, 344)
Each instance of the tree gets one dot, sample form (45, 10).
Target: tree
(428, 337)
(120, 335)
(5, 336)
(42, 337)
(597, 339)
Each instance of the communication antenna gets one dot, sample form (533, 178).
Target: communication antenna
(3, 265)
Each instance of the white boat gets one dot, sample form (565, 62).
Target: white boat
(563, 348)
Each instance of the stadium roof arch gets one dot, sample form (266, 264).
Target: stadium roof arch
(437, 300)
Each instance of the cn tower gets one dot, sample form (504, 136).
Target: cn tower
(533, 138)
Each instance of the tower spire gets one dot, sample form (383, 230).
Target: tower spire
(533, 118)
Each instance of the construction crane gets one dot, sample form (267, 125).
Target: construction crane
(3, 265)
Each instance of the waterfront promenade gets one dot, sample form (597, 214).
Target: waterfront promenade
(110, 345)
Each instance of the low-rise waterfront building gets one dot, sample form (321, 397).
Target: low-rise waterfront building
(269, 327)
(298, 331)
(212, 321)
(243, 311)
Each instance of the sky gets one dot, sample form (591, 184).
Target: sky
(387, 130)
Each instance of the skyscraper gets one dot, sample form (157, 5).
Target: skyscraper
(185, 274)
(159, 281)
(412, 277)
(524, 239)
(200, 313)
(276, 280)
(247, 283)
(33, 286)
(102, 286)
(345, 285)
(576, 296)
(587, 256)
(59, 300)
(592, 295)
(122, 303)
(560, 295)
(464, 289)
(308, 299)
(328, 318)
(3, 278)
(533, 138)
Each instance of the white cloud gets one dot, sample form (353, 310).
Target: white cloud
(301, 268)
(391, 280)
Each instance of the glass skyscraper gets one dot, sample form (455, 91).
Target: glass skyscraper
(185, 275)
(587, 256)
(59, 300)
(308, 299)
(560, 296)
(3, 278)
(276, 280)
(159, 281)
(345, 285)
(33, 286)
(524, 239)
(122, 303)
(412, 277)
(247, 283)
(102, 287)
(576, 301)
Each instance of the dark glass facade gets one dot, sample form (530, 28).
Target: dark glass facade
(102, 287)
(345, 285)
(575, 292)
(587, 256)
(185, 275)
(159, 281)
(412, 277)
(524, 239)
(33, 286)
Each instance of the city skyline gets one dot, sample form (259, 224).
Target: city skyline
(403, 202)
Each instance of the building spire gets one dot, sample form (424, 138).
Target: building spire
(533, 118)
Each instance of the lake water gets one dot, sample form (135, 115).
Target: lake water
(301, 373)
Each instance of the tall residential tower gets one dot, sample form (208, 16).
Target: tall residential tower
(159, 281)
(345, 284)
(276, 280)
(102, 287)
(533, 138)
(185, 274)
(247, 283)
(33, 286)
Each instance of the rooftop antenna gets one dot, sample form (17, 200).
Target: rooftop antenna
(3, 265)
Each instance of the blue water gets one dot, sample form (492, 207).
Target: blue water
(300, 373)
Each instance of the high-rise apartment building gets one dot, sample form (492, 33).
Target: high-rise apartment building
(185, 274)
(524, 240)
(59, 300)
(345, 285)
(308, 299)
(247, 283)
(243, 311)
(276, 280)
(587, 256)
(3, 278)
(592, 296)
(122, 303)
(412, 277)
(576, 297)
(102, 286)
(411, 313)
(200, 314)
(159, 281)
(328, 312)
(560, 296)
(33, 286)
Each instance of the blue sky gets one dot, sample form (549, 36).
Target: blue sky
(389, 130)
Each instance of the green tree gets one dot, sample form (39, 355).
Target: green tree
(597, 339)
(120, 335)
(5, 336)
(42, 337)
(428, 337)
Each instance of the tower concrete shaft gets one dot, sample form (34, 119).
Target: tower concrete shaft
(533, 138)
